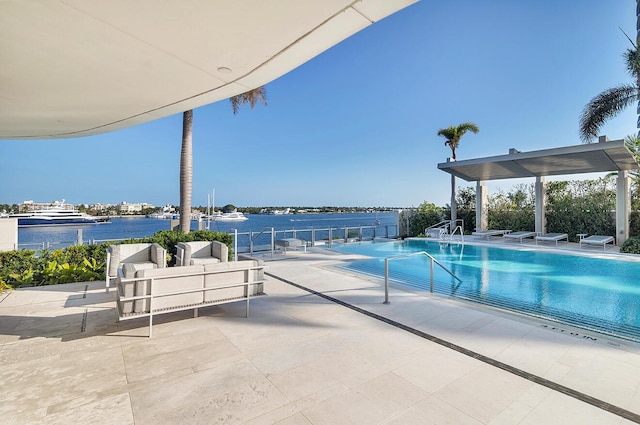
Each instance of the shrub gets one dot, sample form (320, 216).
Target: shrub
(4, 285)
(83, 263)
(17, 268)
(631, 246)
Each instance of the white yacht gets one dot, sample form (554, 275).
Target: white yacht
(232, 216)
(57, 214)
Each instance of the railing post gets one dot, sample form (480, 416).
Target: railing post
(313, 237)
(431, 274)
(330, 237)
(346, 234)
(80, 237)
(386, 231)
(235, 245)
(386, 281)
(273, 241)
(251, 242)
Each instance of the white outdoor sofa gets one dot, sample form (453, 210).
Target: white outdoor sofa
(158, 291)
(129, 258)
(598, 240)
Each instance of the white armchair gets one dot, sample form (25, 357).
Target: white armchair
(129, 258)
(201, 252)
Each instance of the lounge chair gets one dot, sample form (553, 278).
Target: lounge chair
(488, 233)
(552, 237)
(520, 235)
(598, 240)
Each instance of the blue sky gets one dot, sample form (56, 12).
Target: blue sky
(356, 126)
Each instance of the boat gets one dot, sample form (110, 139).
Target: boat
(219, 215)
(57, 215)
(232, 216)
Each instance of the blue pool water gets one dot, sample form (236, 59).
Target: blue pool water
(592, 293)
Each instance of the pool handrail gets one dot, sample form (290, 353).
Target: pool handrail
(413, 254)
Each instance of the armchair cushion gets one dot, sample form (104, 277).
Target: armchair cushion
(129, 269)
(201, 252)
(135, 253)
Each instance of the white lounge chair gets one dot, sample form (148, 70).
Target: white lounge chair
(520, 235)
(488, 233)
(598, 240)
(552, 237)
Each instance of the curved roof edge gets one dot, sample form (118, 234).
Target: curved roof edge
(75, 68)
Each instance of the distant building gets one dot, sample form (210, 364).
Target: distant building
(126, 208)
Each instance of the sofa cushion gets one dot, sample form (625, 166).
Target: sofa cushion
(201, 261)
(236, 272)
(165, 285)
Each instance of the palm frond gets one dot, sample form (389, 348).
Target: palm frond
(468, 126)
(448, 133)
(605, 106)
(632, 59)
(251, 97)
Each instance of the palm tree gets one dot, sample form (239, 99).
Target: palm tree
(186, 153)
(453, 136)
(611, 102)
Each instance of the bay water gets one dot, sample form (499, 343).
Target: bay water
(138, 227)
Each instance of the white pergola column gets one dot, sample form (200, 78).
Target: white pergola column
(541, 205)
(623, 207)
(481, 206)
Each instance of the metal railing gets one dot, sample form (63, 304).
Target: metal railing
(442, 228)
(263, 240)
(431, 263)
(458, 229)
(445, 229)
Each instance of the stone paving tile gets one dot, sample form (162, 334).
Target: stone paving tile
(484, 392)
(298, 358)
(432, 411)
(112, 410)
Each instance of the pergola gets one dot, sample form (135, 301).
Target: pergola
(604, 156)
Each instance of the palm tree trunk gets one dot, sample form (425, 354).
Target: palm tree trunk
(454, 214)
(186, 172)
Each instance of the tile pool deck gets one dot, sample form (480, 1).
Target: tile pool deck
(336, 356)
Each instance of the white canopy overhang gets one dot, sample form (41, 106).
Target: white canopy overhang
(82, 67)
(604, 156)
(587, 158)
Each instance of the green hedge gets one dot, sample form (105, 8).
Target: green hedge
(631, 246)
(84, 263)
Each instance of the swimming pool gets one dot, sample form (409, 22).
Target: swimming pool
(599, 294)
